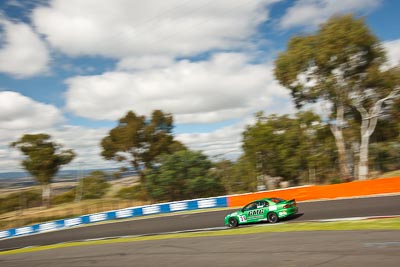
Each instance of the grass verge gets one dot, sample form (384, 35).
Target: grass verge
(373, 224)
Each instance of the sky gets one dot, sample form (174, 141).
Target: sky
(72, 68)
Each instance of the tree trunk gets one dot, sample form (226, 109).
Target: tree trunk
(368, 125)
(363, 163)
(344, 169)
(339, 140)
(46, 195)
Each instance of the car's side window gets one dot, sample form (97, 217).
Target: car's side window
(262, 204)
(251, 206)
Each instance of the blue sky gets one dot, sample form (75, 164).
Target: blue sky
(71, 68)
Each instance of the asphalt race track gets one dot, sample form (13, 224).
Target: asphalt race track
(374, 206)
(303, 249)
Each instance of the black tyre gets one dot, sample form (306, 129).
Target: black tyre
(272, 217)
(233, 222)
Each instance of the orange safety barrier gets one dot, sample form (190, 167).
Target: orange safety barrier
(302, 193)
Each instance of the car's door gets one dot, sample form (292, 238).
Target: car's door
(247, 211)
(255, 211)
(263, 205)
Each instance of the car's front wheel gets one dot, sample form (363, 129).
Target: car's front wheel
(233, 222)
(273, 217)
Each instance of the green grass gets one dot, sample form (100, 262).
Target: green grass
(376, 224)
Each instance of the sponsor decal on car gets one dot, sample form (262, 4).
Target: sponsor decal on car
(255, 212)
(272, 208)
(282, 213)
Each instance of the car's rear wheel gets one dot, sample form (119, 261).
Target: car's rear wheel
(233, 222)
(273, 217)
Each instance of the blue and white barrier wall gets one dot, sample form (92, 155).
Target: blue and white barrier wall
(195, 204)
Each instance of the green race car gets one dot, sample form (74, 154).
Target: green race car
(266, 209)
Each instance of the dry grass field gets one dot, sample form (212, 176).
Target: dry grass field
(39, 214)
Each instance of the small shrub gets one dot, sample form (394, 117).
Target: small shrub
(93, 186)
(133, 192)
(66, 197)
(335, 180)
(20, 200)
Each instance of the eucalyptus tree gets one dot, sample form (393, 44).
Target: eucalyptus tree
(289, 147)
(370, 97)
(343, 63)
(43, 160)
(140, 141)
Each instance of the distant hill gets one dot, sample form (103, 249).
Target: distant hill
(62, 175)
(13, 175)
(9, 178)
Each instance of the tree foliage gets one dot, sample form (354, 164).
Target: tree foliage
(288, 147)
(320, 66)
(93, 186)
(241, 177)
(140, 141)
(342, 63)
(182, 175)
(43, 159)
(133, 192)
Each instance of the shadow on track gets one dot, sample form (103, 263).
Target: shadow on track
(293, 217)
(290, 218)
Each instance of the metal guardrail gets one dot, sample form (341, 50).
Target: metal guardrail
(169, 207)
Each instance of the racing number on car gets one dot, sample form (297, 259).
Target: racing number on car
(242, 218)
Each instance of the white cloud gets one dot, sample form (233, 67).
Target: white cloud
(144, 62)
(224, 87)
(222, 143)
(21, 115)
(393, 52)
(9, 157)
(23, 53)
(125, 28)
(310, 13)
(20, 112)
